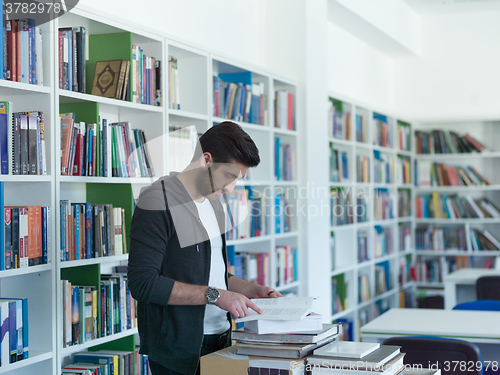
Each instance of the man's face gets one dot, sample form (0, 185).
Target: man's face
(223, 178)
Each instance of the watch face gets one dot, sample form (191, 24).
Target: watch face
(212, 295)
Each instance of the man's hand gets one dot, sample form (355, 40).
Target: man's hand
(267, 292)
(237, 304)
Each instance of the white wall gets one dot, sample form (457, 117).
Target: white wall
(358, 71)
(226, 26)
(458, 74)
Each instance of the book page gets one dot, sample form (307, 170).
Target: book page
(283, 308)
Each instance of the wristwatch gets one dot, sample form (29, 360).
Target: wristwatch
(212, 295)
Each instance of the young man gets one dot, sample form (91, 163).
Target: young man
(177, 261)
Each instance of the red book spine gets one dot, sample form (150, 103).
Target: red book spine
(474, 143)
(60, 59)
(18, 49)
(15, 31)
(290, 112)
(9, 31)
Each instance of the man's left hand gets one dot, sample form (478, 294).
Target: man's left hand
(266, 292)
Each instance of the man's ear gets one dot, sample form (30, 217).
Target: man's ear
(206, 160)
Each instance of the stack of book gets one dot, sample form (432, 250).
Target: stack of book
(404, 230)
(383, 205)
(22, 53)
(356, 357)
(482, 239)
(14, 345)
(284, 113)
(254, 267)
(286, 265)
(439, 239)
(72, 62)
(284, 161)
(22, 142)
(339, 120)
(443, 206)
(287, 328)
(383, 241)
(237, 98)
(404, 134)
(339, 165)
(362, 169)
(341, 207)
(404, 168)
(91, 312)
(91, 231)
(404, 203)
(440, 174)
(382, 131)
(383, 168)
(282, 214)
(446, 142)
(102, 362)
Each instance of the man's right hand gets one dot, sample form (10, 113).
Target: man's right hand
(237, 304)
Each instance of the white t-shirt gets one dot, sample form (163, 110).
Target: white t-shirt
(215, 318)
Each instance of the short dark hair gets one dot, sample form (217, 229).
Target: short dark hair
(228, 142)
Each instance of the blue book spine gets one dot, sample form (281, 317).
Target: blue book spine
(277, 209)
(242, 103)
(227, 97)
(64, 254)
(22, 72)
(24, 304)
(2, 227)
(75, 207)
(277, 171)
(31, 49)
(89, 238)
(4, 157)
(241, 77)
(295, 265)
(44, 235)
(13, 331)
(3, 52)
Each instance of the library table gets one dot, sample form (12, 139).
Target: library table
(460, 286)
(479, 327)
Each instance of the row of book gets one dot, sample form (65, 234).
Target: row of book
(363, 246)
(92, 312)
(182, 142)
(287, 265)
(455, 206)
(440, 238)
(91, 231)
(174, 97)
(361, 129)
(404, 136)
(282, 214)
(404, 203)
(21, 58)
(482, 239)
(284, 110)
(14, 340)
(339, 120)
(362, 169)
(72, 44)
(383, 241)
(237, 98)
(254, 267)
(440, 174)
(404, 233)
(382, 278)
(22, 142)
(340, 294)
(382, 205)
(111, 79)
(247, 215)
(403, 165)
(86, 149)
(341, 207)
(361, 209)
(363, 288)
(382, 131)
(26, 236)
(446, 142)
(146, 78)
(339, 165)
(108, 362)
(284, 161)
(383, 168)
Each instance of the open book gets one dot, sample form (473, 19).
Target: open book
(282, 308)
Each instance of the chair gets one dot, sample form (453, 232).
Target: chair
(484, 304)
(427, 351)
(488, 287)
(431, 302)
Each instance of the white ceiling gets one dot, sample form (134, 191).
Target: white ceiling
(443, 7)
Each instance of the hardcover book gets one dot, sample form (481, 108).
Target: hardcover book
(108, 78)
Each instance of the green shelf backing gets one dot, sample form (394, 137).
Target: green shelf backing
(87, 112)
(103, 47)
(119, 195)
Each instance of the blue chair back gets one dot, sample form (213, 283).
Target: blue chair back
(484, 304)
(428, 351)
(488, 287)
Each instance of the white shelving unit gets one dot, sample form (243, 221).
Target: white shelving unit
(486, 163)
(42, 284)
(346, 265)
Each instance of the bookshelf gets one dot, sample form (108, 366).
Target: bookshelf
(453, 247)
(195, 68)
(374, 275)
